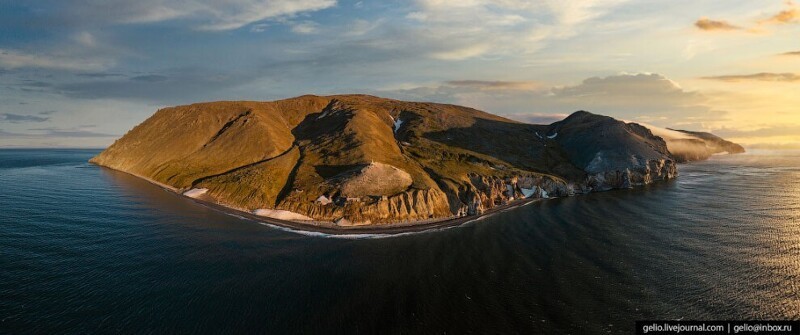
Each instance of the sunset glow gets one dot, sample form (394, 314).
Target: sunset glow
(82, 73)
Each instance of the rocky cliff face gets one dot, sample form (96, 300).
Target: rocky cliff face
(361, 160)
(613, 153)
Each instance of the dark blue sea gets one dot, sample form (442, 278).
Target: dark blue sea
(84, 249)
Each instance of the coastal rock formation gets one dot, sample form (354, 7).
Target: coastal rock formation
(693, 146)
(615, 154)
(361, 160)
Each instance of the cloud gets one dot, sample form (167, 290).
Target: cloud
(150, 78)
(20, 118)
(791, 53)
(642, 97)
(68, 132)
(460, 53)
(774, 146)
(481, 28)
(99, 74)
(789, 15)
(54, 137)
(495, 85)
(765, 131)
(174, 86)
(763, 76)
(13, 59)
(305, 27)
(202, 14)
(786, 16)
(712, 25)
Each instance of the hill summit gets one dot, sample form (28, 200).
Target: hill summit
(362, 160)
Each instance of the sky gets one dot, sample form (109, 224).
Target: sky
(81, 73)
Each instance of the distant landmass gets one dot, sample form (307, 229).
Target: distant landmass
(362, 161)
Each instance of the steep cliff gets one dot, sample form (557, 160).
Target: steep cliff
(363, 160)
(615, 154)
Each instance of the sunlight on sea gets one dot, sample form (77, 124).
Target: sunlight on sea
(86, 250)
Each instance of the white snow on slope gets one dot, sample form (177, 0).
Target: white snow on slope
(281, 214)
(552, 136)
(528, 192)
(397, 124)
(195, 192)
(323, 200)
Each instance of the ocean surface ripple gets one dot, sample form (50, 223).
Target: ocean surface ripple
(84, 249)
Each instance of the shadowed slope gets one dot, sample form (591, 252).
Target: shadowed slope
(358, 159)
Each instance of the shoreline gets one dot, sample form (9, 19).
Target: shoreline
(333, 229)
(385, 229)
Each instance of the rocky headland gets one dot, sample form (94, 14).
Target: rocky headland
(362, 161)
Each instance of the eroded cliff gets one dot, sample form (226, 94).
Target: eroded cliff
(363, 160)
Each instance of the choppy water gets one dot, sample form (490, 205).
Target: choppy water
(85, 249)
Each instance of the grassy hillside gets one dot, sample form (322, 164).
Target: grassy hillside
(368, 159)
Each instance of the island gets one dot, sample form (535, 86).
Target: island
(360, 163)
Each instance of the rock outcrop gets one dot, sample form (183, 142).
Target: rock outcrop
(613, 153)
(694, 146)
(362, 160)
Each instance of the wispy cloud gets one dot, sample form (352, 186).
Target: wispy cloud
(13, 59)
(763, 76)
(150, 78)
(305, 27)
(495, 84)
(638, 97)
(203, 14)
(789, 15)
(505, 27)
(21, 118)
(68, 132)
(791, 53)
(711, 25)
(53, 133)
(173, 86)
(765, 131)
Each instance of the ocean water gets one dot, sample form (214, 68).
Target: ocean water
(84, 249)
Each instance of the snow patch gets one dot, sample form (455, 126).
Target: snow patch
(323, 200)
(528, 192)
(552, 136)
(597, 162)
(281, 214)
(324, 114)
(195, 192)
(537, 134)
(397, 124)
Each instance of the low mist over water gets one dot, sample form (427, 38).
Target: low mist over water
(87, 249)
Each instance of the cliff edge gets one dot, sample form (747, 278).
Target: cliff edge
(364, 160)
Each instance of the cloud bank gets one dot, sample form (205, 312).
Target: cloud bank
(763, 76)
(642, 97)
